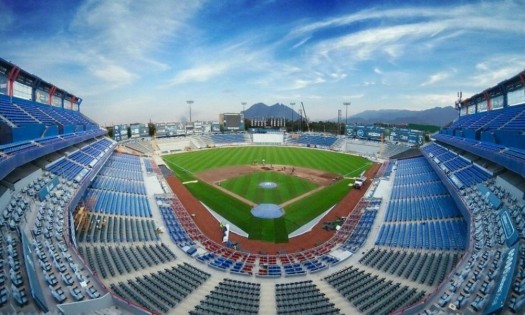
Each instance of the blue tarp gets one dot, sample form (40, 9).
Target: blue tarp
(486, 193)
(502, 290)
(511, 235)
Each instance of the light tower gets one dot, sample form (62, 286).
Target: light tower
(244, 114)
(292, 104)
(346, 104)
(189, 103)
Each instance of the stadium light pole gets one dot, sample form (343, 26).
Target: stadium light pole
(244, 114)
(189, 103)
(346, 104)
(292, 104)
(243, 107)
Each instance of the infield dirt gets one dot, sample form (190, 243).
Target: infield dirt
(216, 175)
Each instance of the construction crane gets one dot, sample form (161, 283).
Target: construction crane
(306, 118)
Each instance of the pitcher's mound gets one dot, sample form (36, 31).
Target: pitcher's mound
(268, 185)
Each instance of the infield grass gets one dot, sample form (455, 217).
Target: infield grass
(288, 187)
(296, 214)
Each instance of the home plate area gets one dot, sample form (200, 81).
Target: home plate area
(267, 211)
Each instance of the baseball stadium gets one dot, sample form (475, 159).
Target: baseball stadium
(279, 222)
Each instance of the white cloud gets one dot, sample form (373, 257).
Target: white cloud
(436, 77)
(300, 83)
(130, 28)
(392, 33)
(495, 69)
(422, 101)
(338, 75)
(114, 74)
(200, 73)
(495, 15)
(301, 43)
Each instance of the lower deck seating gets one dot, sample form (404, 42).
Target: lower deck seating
(442, 235)
(302, 298)
(108, 228)
(231, 297)
(110, 260)
(161, 291)
(427, 268)
(372, 294)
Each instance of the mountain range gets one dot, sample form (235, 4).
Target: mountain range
(437, 116)
(260, 110)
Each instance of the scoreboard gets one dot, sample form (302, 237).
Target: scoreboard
(233, 121)
(139, 130)
(120, 132)
(375, 133)
(170, 129)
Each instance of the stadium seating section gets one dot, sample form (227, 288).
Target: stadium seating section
(78, 222)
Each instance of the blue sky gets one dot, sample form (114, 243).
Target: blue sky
(132, 60)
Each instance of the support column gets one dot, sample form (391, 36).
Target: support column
(51, 94)
(11, 78)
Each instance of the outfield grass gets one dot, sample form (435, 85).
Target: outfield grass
(288, 187)
(337, 163)
(297, 214)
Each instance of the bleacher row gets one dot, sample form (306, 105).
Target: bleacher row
(235, 138)
(428, 268)
(125, 259)
(119, 188)
(176, 231)
(77, 165)
(301, 263)
(163, 290)
(428, 204)
(312, 140)
(418, 190)
(511, 118)
(119, 185)
(302, 298)
(432, 235)
(462, 171)
(420, 175)
(509, 157)
(144, 147)
(117, 203)
(361, 230)
(372, 294)
(349, 233)
(106, 228)
(230, 297)
(18, 113)
(422, 208)
(123, 166)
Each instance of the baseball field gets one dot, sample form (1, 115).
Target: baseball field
(307, 183)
